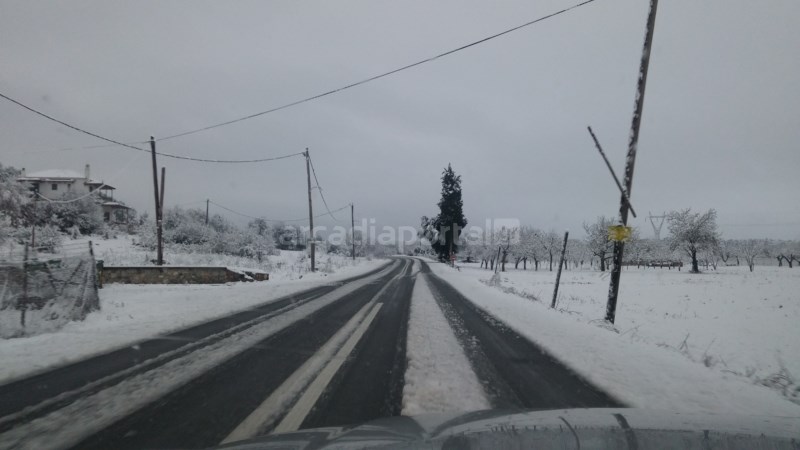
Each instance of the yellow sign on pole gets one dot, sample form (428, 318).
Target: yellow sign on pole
(619, 233)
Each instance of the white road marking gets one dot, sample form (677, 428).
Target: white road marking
(280, 399)
(295, 418)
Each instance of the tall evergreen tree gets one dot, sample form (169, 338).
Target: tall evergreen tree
(450, 222)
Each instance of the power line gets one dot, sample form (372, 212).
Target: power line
(81, 130)
(313, 171)
(288, 105)
(376, 77)
(273, 220)
(132, 147)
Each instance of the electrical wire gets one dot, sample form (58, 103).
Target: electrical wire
(295, 103)
(132, 147)
(313, 171)
(376, 77)
(271, 220)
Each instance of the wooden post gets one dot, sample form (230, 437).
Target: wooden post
(207, 211)
(311, 241)
(619, 246)
(163, 182)
(560, 265)
(33, 223)
(24, 287)
(353, 228)
(159, 236)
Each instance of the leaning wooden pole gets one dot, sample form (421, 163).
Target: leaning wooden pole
(619, 246)
(560, 265)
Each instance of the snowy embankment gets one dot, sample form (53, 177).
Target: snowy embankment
(438, 376)
(131, 313)
(682, 342)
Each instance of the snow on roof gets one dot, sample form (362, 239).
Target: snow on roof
(115, 205)
(54, 173)
(63, 174)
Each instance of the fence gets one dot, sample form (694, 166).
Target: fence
(42, 291)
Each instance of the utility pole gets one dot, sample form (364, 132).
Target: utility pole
(33, 224)
(206, 212)
(619, 246)
(657, 228)
(560, 265)
(163, 182)
(353, 229)
(311, 241)
(159, 231)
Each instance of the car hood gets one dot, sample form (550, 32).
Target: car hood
(553, 429)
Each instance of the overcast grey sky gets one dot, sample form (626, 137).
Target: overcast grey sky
(721, 124)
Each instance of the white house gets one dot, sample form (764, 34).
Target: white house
(54, 183)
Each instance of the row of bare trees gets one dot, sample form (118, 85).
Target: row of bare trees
(692, 235)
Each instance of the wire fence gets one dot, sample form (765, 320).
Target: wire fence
(41, 291)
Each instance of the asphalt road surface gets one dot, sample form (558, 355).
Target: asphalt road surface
(329, 356)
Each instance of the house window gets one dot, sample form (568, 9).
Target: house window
(54, 187)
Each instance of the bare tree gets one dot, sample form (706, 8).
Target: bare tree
(692, 232)
(506, 238)
(751, 249)
(727, 249)
(597, 241)
(786, 251)
(577, 251)
(528, 247)
(794, 255)
(550, 243)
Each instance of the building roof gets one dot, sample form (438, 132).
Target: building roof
(54, 173)
(116, 205)
(63, 175)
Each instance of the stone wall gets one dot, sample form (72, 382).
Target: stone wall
(175, 275)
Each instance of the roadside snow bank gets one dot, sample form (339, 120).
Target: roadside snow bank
(438, 376)
(636, 370)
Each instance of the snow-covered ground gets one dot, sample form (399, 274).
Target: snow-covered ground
(130, 313)
(289, 265)
(683, 342)
(438, 374)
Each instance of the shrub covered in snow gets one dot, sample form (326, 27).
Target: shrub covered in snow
(185, 230)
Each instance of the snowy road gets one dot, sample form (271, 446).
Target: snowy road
(332, 355)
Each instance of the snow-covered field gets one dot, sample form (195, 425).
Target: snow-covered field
(697, 342)
(130, 313)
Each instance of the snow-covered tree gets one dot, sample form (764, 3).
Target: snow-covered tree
(727, 250)
(597, 242)
(692, 232)
(13, 197)
(551, 244)
(451, 221)
(752, 249)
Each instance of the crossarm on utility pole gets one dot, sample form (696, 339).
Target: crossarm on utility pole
(611, 169)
